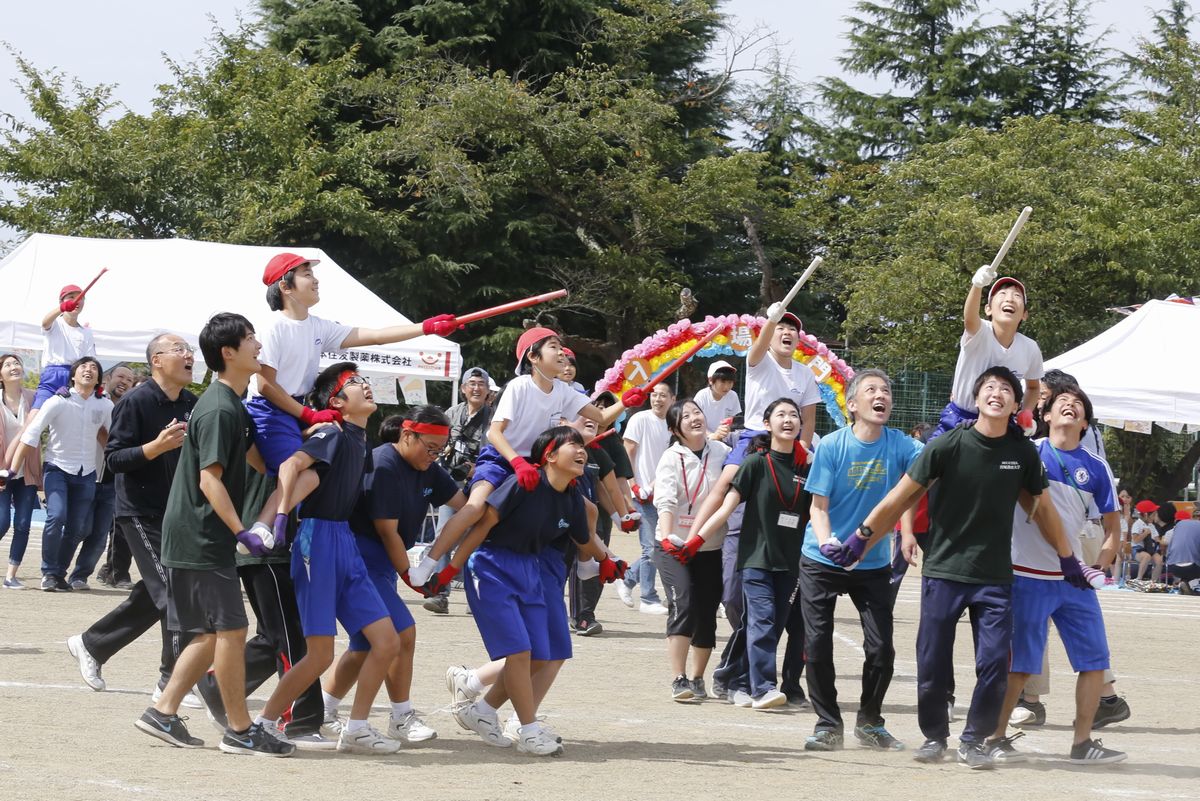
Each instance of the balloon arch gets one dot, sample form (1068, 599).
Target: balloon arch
(649, 357)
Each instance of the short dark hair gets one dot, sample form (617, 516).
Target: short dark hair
(223, 330)
(723, 374)
(1069, 389)
(275, 294)
(551, 440)
(1004, 374)
(326, 382)
(674, 416)
(761, 443)
(392, 426)
(6, 356)
(604, 400)
(81, 361)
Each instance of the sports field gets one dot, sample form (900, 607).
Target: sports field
(624, 737)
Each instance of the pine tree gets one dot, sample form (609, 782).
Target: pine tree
(1154, 64)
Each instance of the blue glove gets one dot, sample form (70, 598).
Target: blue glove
(252, 543)
(280, 529)
(1072, 571)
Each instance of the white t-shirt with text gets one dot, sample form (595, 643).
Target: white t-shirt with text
(978, 353)
(294, 347)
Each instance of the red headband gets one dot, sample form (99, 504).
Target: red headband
(432, 429)
(550, 447)
(343, 379)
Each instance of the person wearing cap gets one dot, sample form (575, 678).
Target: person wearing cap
(990, 343)
(64, 341)
(1184, 555)
(291, 354)
(570, 371)
(1143, 536)
(719, 401)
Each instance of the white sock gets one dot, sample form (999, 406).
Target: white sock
(474, 684)
(484, 707)
(353, 725)
(530, 729)
(331, 704)
(400, 709)
(260, 720)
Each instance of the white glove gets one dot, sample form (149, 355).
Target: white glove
(984, 276)
(423, 571)
(775, 312)
(587, 569)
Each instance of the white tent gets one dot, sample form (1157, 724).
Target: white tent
(176, 284)
(1140, 371)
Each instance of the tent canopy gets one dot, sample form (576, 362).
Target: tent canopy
(1139, 371)
(175, 285)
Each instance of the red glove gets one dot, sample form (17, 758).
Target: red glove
(611, 571)
(685, 552)
(68, 305)
(1025, 421)
(443, 325)
(799, 453)
(310, 417)
(643, 495)
(418, 590)
(528, 476)
(439, 582)
(631, 521)
(633, 397)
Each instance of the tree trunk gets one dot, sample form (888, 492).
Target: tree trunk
(764, 264)
(1178, 478)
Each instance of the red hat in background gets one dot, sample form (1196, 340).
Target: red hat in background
(570, 354)
(530, 337)
(1146, 507)
(281, 265)
(1007, 280)
(1183, 514)
(67, 290)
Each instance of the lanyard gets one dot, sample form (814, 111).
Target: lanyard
(1067, 475)
(703, 478)
(778, 490)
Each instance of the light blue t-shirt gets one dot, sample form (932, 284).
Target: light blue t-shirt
(855, 476)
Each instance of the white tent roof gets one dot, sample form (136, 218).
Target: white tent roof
(1140, 371)
(175, 285)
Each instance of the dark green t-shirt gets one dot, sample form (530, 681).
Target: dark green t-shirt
(767, 541)
(971, 507)
(220, 431)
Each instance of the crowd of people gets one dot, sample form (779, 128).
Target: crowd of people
(267, 483)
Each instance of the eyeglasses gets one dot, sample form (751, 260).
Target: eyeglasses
(178, 350)
(434, 451)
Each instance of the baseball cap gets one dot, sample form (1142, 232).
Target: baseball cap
(67, 290)
(1183, 514)
(788, 317)
(1146, 507)
(719, 365)
(282, 264)
(1004, 281)
(476, 372)
(570, 354)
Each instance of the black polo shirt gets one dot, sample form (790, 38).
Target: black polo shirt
(142, 484)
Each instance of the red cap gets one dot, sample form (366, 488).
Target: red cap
(528, 339)
(1146, 507)
(280, 265)
(1183, 514)
(793, 319)
(1000, 283)
(570, 354)
(67, 290)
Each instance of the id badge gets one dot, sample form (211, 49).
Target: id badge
(789, 520)
(685, 521)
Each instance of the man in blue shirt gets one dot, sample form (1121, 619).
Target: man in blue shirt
(852, 470)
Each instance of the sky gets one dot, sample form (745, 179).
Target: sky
(125, 43)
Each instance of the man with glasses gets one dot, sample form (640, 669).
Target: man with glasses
(148, 427)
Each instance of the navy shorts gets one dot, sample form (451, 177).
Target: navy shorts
(53, 378)
(490, 467)
(1076, 614)
(332, 585)
(276, 433)
(383, 575)
(553, 568)
(952, 416)
(738, 454)
(504, 592)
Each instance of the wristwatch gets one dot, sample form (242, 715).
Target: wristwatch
(865, 532)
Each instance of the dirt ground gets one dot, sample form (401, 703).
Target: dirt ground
(624, 737)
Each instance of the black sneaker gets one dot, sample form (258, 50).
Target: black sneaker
(123, 583)
(698, 688)
(1093, 752)
(824, 740)
(1028, 713)
(877, 737)
(1001, 750)
(718, 689)
(104, 576)
(438, 604)
(49, 584)
(931, 752)
(168, 728)
(681, 689)
(975, 756)
(255, 741)
(588, 628)
(1112, 710)
(62, 585)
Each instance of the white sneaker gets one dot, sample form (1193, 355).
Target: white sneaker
(192, 700)
(625, 592)
(80, 584)
(1020, 715)
(457, 677)
(741, 698)
(512, 728)
(770, 700)
(331, 727)
(486, 725)
(410, 729)
(540, 743)
(313, 742)
(89, 668)
(653, 609)
(366, 741)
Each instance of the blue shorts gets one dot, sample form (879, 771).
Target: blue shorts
(276, 433)
(53, 378)
(952, 416)
(1076, 614)
(490, 467)
(332, 585)
(383, 575)
(504, 592)
(738, 454)
(553, 568)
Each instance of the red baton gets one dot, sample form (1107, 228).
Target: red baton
(483, 314)
(89, 286)
(675, 365)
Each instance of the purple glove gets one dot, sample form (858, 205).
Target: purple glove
(253, 543)
(855, 546)
(1072, 571)
(833, 550)
(280, 528)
